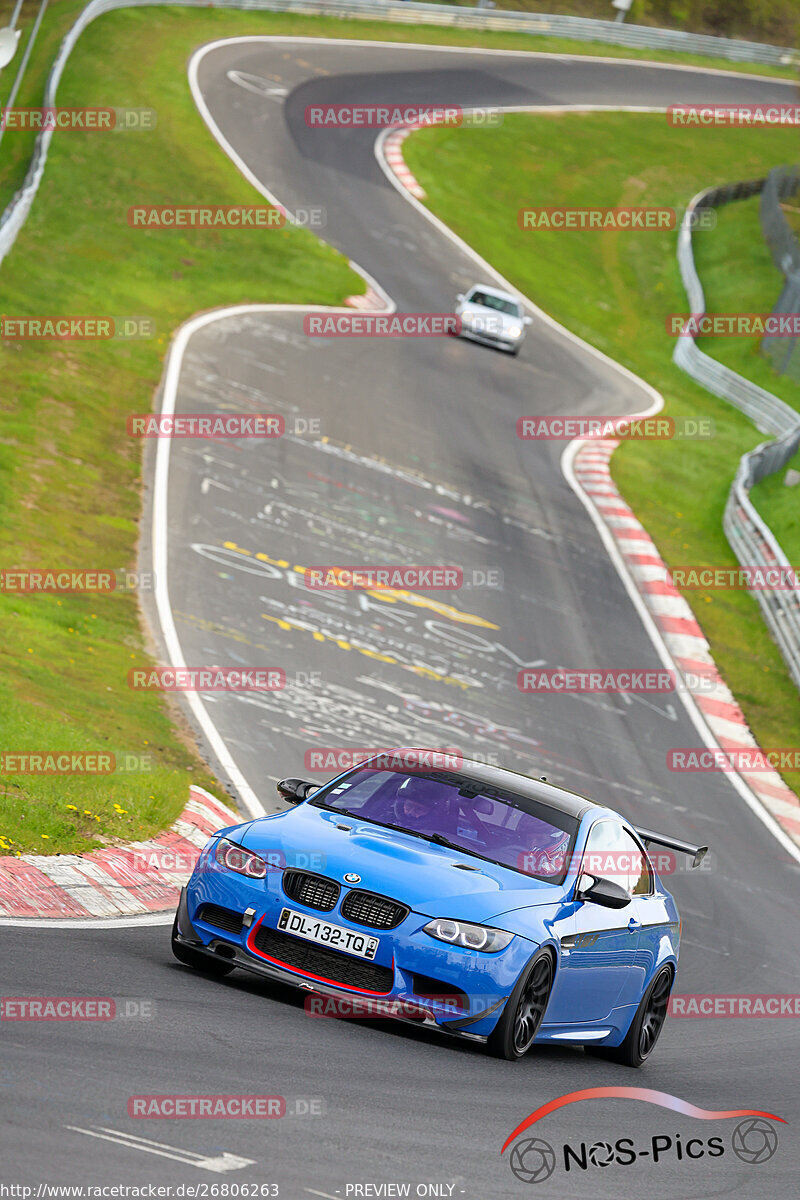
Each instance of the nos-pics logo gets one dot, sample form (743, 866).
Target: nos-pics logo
(754, 1139)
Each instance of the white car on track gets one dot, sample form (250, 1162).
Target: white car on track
(493, 317)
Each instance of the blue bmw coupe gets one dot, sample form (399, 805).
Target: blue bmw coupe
(470, 899)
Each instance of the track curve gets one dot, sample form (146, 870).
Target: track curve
(420, 460)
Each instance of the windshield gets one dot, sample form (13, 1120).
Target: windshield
(507, 829)
(486, 300)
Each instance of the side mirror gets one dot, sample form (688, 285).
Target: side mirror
(460, 297)
(601, 891)
(527, 320)
(295, 790)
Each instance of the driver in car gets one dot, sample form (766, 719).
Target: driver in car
(414, 804)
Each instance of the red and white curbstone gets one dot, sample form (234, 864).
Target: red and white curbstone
(393, 153)
(680, 631)
(370, 301)
(117, 881)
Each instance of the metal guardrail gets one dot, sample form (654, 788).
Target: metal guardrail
(750, 538)
(782, 183)
(542, 24)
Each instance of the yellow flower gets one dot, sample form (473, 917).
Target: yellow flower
(73, 807)
(45, 835)
(86, 812)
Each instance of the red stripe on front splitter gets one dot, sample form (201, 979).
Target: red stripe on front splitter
(307, 974)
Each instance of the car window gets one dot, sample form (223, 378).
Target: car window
(487, 300)
(505, 828)
(611, 853)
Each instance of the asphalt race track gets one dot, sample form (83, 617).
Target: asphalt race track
(420, 464)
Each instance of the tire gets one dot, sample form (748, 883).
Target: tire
(516, 1030)
(646, 1025)
(215, 967)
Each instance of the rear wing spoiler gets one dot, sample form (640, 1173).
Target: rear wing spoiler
(696, 853)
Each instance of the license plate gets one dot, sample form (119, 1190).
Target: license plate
(326, 934)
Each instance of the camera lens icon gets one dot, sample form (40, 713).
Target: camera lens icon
(533, 1160)
(754, 1140)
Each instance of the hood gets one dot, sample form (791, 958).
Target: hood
(418, 873)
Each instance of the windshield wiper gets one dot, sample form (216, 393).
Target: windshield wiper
(441, 840)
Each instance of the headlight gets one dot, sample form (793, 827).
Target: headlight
(236, 858)
(515, 331)
(472, 937)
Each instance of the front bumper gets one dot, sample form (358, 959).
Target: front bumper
(489, 339)
(474, 987)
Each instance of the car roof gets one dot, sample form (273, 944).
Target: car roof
(468, 770)
(493, 291)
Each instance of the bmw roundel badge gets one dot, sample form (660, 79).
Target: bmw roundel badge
(351, 877)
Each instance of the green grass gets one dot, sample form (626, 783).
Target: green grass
(616, 290)
(738, 274)
(779, 505)
(70, 486)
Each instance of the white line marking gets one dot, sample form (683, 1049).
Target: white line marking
(258, 85)
(219, 1165)
(161, 918)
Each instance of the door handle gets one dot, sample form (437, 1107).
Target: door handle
(633, 925)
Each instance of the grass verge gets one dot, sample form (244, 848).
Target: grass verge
(739, 275)
(616, 291)
(69, 475)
